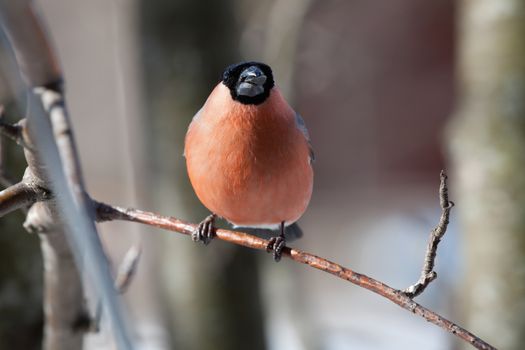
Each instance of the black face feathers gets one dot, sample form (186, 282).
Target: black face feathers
(230, 78)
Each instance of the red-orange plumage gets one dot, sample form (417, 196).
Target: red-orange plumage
(249, 164)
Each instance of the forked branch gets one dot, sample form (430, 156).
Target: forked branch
(21, 195)
(107, 212)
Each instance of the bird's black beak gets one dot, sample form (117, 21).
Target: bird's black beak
(251, 82)
(252, 75)
(255, 77)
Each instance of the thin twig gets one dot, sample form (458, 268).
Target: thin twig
(107, 212)
(427, 273)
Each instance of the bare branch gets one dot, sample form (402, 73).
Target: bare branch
(427, 273)
(52, 155)
(62, 164)
(21, 195)
(125, 274)
(33, 51)
(55, 135)
(107, 212)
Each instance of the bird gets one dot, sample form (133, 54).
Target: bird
(249, 156)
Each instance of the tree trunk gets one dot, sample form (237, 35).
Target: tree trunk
(487, 148)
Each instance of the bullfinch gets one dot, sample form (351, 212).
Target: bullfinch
(248, 156)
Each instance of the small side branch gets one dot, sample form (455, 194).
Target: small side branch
(107, 212)
(21, 195)
(427, 273)
(128, 269)
(125, 274)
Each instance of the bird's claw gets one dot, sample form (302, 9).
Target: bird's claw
(276, 244)
(205, 232)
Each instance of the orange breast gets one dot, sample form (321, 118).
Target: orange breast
(249, 164)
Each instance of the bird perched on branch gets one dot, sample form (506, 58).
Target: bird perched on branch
(249, 157)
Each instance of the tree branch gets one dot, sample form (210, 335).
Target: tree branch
(53, 160)
(427, 273)
(107, 212)
(21, 195)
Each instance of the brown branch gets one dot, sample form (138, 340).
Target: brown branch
(427, 273)
(107, 212)
(21, 195)
(6, 180)
(26, 192)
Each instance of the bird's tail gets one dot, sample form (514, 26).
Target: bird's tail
(291, 233)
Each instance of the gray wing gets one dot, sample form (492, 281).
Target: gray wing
(299, 122)
(195, 117)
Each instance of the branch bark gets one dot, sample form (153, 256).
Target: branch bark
(20, 195)
(107, 212)
(427, 273)
(51, 154)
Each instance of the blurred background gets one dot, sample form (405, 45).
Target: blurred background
(391, 91)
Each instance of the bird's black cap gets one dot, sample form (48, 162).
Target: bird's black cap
(230, 78)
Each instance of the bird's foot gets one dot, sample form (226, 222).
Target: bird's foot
(205, 231)
(277, 244)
